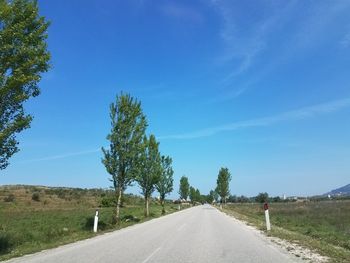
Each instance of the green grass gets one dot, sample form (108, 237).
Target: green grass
(28, 226)
(322, 226)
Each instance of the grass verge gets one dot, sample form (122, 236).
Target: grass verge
(320, 226)
(28, 226)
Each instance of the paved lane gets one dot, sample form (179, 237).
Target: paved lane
(199, 234)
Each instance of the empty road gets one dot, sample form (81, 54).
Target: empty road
(199, 234)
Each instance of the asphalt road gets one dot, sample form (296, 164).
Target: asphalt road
(199, 234)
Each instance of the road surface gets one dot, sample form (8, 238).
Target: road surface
(199, 234)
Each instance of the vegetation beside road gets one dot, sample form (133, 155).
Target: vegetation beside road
(36, 218)
(323, 226)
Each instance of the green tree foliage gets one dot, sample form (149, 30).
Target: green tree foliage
(23, 58)
(195, 195)
(192, 194)
(198, 197)
(211, 197)
(122, 159)
(262, 197)
(216, 196)
(223, 183)
(36, 196)
(150, 169)
(166, 181)
(184, 188)
(232, 199)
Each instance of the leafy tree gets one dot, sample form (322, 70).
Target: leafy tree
(210, 197)
(243, 199)
(232, 199)
(122, 159)
(216, 196)
(276, 199)
(184, 188)
(23, 58)
(150, 169)
(262, 197)
(192, 194)
(197, 196)
(165, 183)
(223, 182)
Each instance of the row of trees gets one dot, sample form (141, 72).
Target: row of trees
(187, 191)
(133, 156)
(221, 191)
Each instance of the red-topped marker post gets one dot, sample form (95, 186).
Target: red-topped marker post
(267, 217)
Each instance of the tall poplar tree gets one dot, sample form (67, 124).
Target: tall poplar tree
(23, 58)
(166, 181)
(222, 184)
(150, 169)
(184, 188)
(192, 194)
(123, 158)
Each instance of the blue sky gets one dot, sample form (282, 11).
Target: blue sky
(260, 87)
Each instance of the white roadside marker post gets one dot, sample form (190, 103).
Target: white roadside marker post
(267, 217)
(96, 221)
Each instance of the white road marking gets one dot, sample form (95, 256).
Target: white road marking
(149, 257)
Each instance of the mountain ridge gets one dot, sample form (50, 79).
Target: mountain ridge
(341, 191)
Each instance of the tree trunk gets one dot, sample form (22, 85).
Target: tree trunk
(146, 206)
(117, 212)
(162, 203)
(121, 200)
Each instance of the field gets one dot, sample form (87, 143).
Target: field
(323, 226)
(37, 218)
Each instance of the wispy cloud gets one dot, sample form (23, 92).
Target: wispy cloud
(294, 115)
(244, 43)
(182, 12)
(306, 30)
(62, 156)
(345, 42)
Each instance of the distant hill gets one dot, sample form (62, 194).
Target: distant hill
(342, 191)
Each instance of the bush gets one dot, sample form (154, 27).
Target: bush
(9, 198)
(36, 197)
(262, 198)
(108, 201)
(89, 224)
(61, 194)
(5, 243)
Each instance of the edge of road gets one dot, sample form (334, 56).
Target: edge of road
(298, 253)
(98, 236)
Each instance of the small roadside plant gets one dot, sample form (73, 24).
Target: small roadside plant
(36, 197)
(10, 198)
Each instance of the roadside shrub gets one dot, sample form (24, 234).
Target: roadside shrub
(9, 198)
(89, 224)
(5, 243)
(61, 194)
(130, 199)
(36, 197)
(108, 201)
(262, 198)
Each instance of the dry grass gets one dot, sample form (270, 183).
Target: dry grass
(323, 226)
